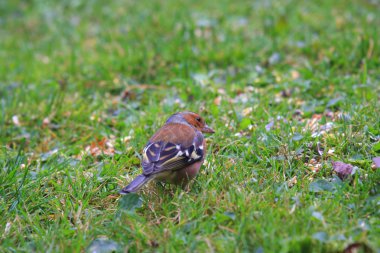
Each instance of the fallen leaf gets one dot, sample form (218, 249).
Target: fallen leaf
(376, 160)
(334, 102)
(342, 169)
(321, 236)
(102, 147)
(129, 202)
(318, 215)
(297, 137)
(47, 155)
(312, 123)
(314, 165)
(322, 129)
(321, 185)
(103, 245)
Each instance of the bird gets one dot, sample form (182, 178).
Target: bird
(175, 153)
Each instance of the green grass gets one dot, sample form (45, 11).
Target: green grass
(74, 73)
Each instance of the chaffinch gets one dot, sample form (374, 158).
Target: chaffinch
(175, 152)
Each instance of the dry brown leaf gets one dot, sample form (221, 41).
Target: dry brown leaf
(312, 123)
(102, 147)
(342, 169)
(314, 165)
(376, 161)
(317, 129)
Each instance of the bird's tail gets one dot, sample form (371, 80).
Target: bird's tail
(136, 184)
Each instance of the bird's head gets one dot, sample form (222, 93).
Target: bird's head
(193, 119)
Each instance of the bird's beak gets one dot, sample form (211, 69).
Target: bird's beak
(207, 129)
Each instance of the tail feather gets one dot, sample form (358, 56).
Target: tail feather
(136, 184)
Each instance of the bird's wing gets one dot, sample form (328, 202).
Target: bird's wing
(164, 152)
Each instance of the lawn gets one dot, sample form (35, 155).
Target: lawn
(291, 88)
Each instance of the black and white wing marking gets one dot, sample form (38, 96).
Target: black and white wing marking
(162, 156)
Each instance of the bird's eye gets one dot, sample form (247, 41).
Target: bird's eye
(198, 119)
